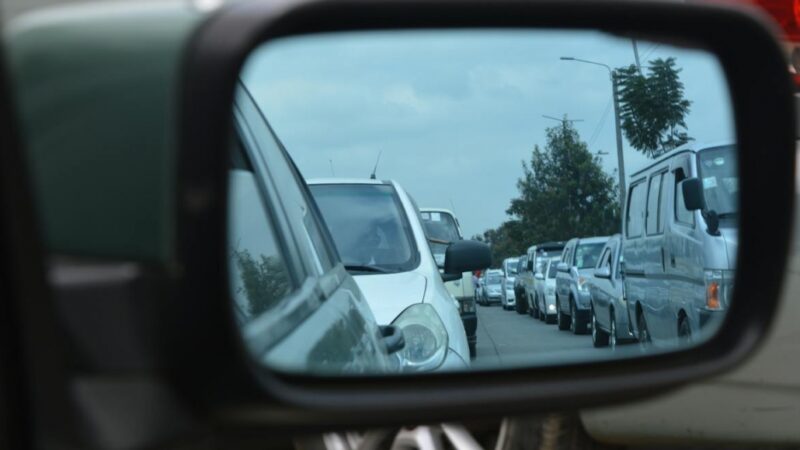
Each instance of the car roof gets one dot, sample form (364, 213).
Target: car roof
(317, 181)
(686, 148)
(593, 240)
(440, 210)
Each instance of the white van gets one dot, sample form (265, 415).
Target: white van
(679, 243)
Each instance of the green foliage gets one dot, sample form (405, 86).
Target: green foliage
(506, 241)
(264, 282)
(564, 193)
(652, 108)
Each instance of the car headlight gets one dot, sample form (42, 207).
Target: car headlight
(583, 284)
(551, 307)
(425, 336)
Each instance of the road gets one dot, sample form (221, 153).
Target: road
(506, 338)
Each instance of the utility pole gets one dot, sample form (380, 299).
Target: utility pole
(563, 121)
(636, 56)
(620, 159)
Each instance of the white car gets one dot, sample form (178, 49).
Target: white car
(546, 292)
(377, 231)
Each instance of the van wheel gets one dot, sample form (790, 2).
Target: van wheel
(684, 331)
(644, 333)
(472, 349)
(561, 319)
(599, 337)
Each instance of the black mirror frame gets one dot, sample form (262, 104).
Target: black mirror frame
(241, 396)
(693, 198)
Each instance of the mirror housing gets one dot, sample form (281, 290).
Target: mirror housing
(693, 198)
(602, 272)
(466, 256)
(562, 267)
(757, 75)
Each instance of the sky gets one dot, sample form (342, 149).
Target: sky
(453, 113)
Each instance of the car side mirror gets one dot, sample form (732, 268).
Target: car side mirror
(693, 198)
(539, 276)
(562, 267)
(466, 256)
(602, 272)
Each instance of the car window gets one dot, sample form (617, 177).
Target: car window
(552, 268)
(260, 278)
(717, 168)
(653, 194)
(635, 214)
(439, 226)
(603, 261)
(368, 225)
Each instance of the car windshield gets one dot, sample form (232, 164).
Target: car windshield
(440, 226)
(586, 255)
(717, 169)
(494, 279)
(511, 267)
(368, 226)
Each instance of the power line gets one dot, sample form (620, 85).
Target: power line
(600, 124)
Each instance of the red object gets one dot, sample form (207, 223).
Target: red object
(786, 14)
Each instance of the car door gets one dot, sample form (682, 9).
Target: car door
(300, 312)
(600, 288)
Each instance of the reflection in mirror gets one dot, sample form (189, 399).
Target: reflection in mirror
(477, 191)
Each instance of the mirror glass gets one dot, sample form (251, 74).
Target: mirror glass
(434, 200)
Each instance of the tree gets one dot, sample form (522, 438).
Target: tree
(506, 241)
(564, 193)
(652, 107)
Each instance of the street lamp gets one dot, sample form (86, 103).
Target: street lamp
(620, 159)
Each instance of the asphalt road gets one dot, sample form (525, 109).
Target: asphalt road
(506, 338)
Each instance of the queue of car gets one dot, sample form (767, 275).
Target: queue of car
(666, 278)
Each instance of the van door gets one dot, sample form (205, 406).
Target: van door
(660, 319)
(632, 243)
(684, 246)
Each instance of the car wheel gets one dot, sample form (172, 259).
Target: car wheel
(612, 334)
(561, 318)
(472, 349)
(599, 337)
(534, 309)
(577, 325)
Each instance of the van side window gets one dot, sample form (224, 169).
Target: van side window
(682, 215)
(662, 202)
(634, 221)
(653, 195)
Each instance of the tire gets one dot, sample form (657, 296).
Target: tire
(577, 326)
(561, 318)
(612, 335)
(534, 308)
(472, 349)
(684, 331)
(599, 337)
(644, 333)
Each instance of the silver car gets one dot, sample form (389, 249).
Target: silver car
(572, 292)
(546, 291)
(608, 308)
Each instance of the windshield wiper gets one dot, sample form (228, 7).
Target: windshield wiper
(360, 268)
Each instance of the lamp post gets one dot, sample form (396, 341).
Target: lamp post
(620, 159)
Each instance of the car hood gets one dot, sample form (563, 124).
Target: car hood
(389, 294)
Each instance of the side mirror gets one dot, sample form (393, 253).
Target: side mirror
(466, 256)
(562, 267)
(693, 198)
(603, 272)
(539, 276)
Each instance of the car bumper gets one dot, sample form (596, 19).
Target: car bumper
(453, 361)
(709, 318)
(494, 298)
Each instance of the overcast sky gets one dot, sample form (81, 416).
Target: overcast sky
(455, 112)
